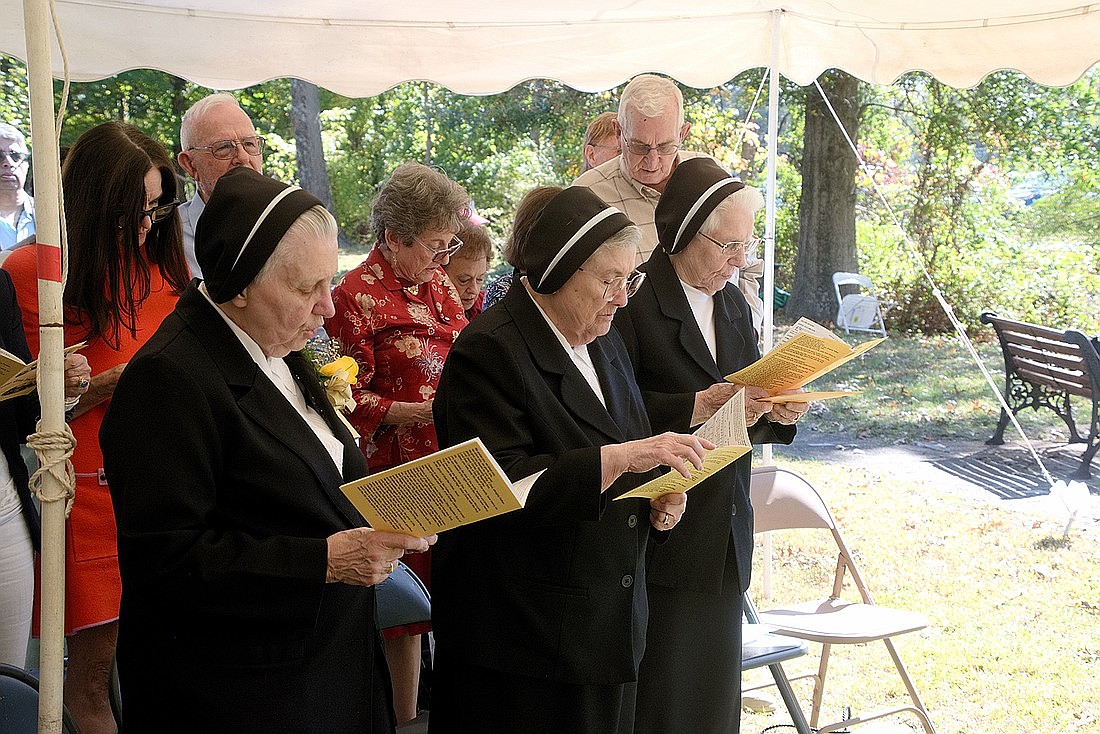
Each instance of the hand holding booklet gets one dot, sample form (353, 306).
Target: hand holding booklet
(452, 487)
(727, 431)
(17, 378)
(807, 352)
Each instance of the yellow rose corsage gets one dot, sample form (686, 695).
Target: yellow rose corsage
(340, 374)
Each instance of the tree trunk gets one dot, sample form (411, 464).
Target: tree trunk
(827, 210)
(429, 121)
(185, 185)
(305, 116)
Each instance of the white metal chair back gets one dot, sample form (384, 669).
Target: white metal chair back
(858, 310)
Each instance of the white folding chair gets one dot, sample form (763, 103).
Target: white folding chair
(859, 309)
(783, 500)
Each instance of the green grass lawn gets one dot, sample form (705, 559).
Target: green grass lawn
(1014, 640)
(923, 389)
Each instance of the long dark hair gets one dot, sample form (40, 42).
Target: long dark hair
(109, 275)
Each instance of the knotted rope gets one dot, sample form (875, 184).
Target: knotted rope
(49, 443)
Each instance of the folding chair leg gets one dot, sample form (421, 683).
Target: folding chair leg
(921, 712)
(798, 719)
(819, 685)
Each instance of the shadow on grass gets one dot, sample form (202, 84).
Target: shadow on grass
(1011, 472)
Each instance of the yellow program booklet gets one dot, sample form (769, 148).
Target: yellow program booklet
(808, 352)
(452, 487)
(726, 429)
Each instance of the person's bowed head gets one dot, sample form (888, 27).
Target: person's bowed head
(601, 140)
(580, 271)
(467, 267)
(269, 253)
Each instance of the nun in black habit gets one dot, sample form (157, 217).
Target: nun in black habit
(686, 329)
(540, 614)
(248, 578)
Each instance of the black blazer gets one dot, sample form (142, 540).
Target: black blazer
(223, 497)
(18, 415)
(672, 362)
(555, 590)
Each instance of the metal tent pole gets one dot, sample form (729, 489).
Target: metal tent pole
(769, 254)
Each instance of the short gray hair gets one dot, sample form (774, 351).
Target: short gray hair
(316, 222)
(415, 198)
(652, 96)
(748, 200)
(11, 132)
(200, 108)
(629, 236)
(476, 244)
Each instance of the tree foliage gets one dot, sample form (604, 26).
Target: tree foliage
(945, 160)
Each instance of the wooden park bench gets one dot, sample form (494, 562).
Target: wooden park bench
(1043, 368)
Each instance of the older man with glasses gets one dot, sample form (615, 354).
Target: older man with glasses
(16, 205)
(651, 128)
(215, 136)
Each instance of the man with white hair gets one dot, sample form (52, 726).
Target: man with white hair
(16, 205)
(215, 136)
(651, 129)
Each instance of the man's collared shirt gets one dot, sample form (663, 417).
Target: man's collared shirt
(190, 211)
(24, 226)
(611, 182)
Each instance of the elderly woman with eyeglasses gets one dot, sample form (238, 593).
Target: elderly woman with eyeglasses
(540, 614)
(686, 329)
(125, 272)
(397, 315)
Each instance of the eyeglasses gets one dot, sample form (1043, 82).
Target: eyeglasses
(223, 150)
(607, 147)
(749, 246)
(158, 213)
(612, 287)
(636, 147)
(15, 156)
(442, 253)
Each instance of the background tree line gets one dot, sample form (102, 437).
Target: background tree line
(996, 187)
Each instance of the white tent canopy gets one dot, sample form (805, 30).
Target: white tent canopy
(359, 48)
(362, 47)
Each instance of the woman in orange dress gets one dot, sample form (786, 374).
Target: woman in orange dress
(126, 270)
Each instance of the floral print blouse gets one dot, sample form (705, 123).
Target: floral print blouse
(400, 334)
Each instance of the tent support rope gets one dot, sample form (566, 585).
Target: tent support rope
(54, 450)
(947, 309)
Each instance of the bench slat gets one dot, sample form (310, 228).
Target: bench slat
(1041, 344)
(1065, 362)
(1045, 377)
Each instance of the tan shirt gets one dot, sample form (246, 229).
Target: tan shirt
(611, 182)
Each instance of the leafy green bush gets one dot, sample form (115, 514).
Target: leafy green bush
(1056, 284)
